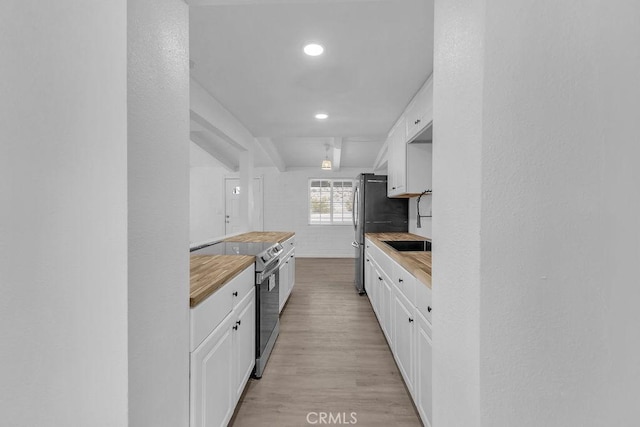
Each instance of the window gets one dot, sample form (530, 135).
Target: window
(330, 201)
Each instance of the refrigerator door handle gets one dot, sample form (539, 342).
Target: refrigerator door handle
(355, 207)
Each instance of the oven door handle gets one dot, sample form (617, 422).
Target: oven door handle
(261, 276)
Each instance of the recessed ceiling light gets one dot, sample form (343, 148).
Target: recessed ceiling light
(321, 116)
(313, 49)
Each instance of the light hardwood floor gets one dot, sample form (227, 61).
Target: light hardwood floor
(331, 356)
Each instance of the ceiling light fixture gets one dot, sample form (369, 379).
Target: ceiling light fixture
(326, 163)
(313, 49)
(322, 116)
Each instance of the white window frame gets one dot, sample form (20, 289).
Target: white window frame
(331, 222)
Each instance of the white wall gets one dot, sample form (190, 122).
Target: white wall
(286, 199)
(158, 103)
(207, 199)
(554, 296)
(457, 97)
(63, 221)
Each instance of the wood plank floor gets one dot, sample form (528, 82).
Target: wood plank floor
(331, 356)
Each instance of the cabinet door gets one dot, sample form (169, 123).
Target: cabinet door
(385, 307)
(400, 160)
(396, 160)
(292, 273)
(245, 342)
(403, 338)
(374, 286)
(283, 284)
(424, 371)
(212, 378)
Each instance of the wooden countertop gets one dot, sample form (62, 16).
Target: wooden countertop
(417, 263)
(210, 272)
(262, 236)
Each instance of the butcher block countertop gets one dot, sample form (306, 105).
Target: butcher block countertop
(210, 272)
(417, 263)
(262, 237)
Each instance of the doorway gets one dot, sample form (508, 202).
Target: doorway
(232, 190)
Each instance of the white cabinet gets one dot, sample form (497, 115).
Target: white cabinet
(409, 162)
(287, 271)
(397, 159)
(403, 308)
(404, 337)
(419, 112)
(283, 284)
(222, 362)
(212, 379)
(244, 345)
(424, 370)
(292, 272)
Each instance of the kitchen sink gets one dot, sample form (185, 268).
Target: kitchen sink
(409, 245)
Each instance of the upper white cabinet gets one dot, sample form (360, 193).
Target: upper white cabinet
(397, 160)
(409, 147)
(419, 112)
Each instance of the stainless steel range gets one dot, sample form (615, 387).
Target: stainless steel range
(267, 290)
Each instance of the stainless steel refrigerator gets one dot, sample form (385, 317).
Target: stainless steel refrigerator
(374, 212)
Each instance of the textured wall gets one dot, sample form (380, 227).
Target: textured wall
(63, 221)
(561, 103)
(158, 103)
(535, 218)
(457, 98)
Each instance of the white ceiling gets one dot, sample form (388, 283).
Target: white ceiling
(248, 55)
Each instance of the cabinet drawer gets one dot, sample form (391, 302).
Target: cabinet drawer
(243, 283)
(423, 300)
(207, 315)
(405, 282)
(288, 246)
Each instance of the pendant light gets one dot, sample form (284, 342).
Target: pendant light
(326, 163)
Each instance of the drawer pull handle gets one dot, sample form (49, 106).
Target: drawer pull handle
(379, 278)
(429, 309)
(400, 280)
(410, 320)
(235, 294)
(235, 328)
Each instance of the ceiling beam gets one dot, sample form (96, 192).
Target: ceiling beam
(246, 2)
(197, 118)
(337, 153)
(273, 153)
(203, 141)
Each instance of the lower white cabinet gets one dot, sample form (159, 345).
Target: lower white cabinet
(212, 381)
(404, 338)
(403, 307)
(424, 371)
(223, 362)
(283, 284)
(287, 277)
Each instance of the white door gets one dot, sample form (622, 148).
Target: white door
(232, 193)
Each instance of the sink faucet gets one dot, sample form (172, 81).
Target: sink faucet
(418, 220)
